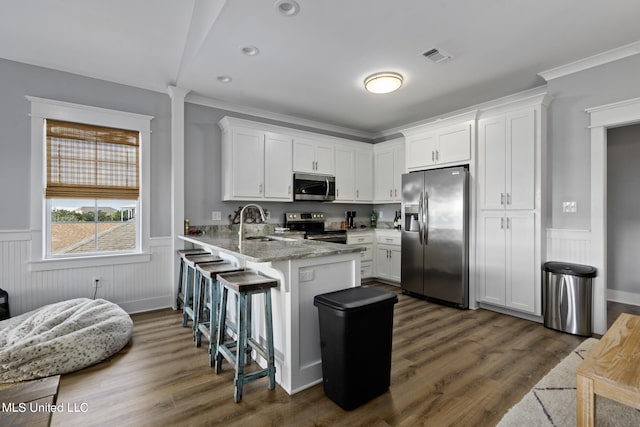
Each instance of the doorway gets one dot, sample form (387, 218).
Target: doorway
(603, 118)
(623, 221)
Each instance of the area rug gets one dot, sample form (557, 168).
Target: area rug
(552, 402)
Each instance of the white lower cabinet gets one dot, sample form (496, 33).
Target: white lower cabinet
(363, 240)
(506, 260)
(387, 260)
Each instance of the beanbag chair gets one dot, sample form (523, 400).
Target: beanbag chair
(61, 338)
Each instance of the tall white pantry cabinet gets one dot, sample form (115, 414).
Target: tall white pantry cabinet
(510, 206)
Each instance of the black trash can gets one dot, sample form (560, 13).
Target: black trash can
(356, 329)
(567, 294)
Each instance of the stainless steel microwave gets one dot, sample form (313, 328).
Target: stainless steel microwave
(309, 186)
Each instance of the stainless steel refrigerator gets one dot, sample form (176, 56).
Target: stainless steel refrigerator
(435, 235)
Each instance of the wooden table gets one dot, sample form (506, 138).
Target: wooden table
(28, 404)
(611, 369)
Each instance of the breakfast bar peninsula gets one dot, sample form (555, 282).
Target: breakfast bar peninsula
(304, 269)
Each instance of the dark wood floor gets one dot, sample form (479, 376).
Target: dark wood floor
(614, 309)
(449, 367)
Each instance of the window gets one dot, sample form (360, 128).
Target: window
(90, 178)
(92, 189)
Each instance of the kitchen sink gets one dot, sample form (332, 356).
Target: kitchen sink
(259, 238)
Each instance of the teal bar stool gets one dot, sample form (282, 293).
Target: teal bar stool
(181, 270)
(245, 284)
(208, 301)
(193, 277)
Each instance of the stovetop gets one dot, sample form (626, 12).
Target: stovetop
(312, 223)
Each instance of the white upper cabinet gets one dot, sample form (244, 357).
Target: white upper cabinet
(438, 147)
(389, 167)
(313, 156)
(364, 175)
(506, 161)
(354, 172)
(248, 155)
(278, 173)
(421, 151)
(454, 144)
(345, 173)
(256, 164)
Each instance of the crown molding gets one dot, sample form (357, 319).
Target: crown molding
(259, 113)
(537, 95)
(592, 61)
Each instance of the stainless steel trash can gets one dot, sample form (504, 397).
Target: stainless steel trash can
(567, 294)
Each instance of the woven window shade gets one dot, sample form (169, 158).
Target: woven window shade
(91, 162)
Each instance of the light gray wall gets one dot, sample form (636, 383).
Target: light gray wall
(203, 192)
(18, 80)
(569, 139)
(623, 208)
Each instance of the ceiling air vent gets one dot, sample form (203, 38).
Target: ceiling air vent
(437, 55)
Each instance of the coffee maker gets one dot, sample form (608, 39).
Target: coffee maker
(350, 216)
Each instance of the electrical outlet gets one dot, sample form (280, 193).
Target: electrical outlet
(306, 275)
(97, 281)
(216, 215)
(569, 207)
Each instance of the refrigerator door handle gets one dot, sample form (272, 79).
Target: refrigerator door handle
(426, 218)
(420, 219)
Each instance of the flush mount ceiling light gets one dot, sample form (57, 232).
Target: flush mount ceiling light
(384, 82)
(287, 7)
(250, 50)
(224, 79)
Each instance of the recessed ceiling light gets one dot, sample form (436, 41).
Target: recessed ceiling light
(224, 79)
(250, 50)
(384, 82)
(287, 7)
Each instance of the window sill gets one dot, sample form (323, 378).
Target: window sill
(89, 261)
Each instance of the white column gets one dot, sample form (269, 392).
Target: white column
(177, 173)
(599, 226)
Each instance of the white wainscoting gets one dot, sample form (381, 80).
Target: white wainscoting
(569, 246)
(134, 286)
(576, 246)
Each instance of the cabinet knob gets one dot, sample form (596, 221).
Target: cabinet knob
(390, 193)
(502, 198)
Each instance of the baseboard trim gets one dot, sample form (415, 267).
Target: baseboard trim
(623, 297)
(514, 313)
(148, 304)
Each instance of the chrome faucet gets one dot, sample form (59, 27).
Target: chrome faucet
(249, 205)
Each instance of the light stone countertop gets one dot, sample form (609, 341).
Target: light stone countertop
(278, 249)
